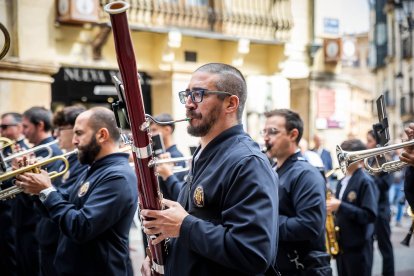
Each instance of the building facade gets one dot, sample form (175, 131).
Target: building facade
(391, 59)
(62, 52)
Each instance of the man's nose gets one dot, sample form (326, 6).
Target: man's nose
(189, 104)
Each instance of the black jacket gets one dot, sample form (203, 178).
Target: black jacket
(302, 211)
(357, 213)
(409, 186)
(231, 197)
(95, 220)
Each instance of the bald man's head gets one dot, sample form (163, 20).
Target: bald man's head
(101, 117)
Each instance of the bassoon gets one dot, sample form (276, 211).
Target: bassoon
(148, 188)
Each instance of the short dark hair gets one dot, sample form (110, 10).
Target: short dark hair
(39, 114)
(353, 145)
(17, 117)
(292, 118)
(67, 115)
(230, 80)
(374, 135)
(102, 117)
(165, 117)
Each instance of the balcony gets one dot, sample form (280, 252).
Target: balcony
(262, 21)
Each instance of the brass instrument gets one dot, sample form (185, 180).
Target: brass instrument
(6, 45)
(33, 150)
(331, 235)
(12, 191)
(406, 240)
(176, 169)
(346, 158)
(5, 142)
(331, 172)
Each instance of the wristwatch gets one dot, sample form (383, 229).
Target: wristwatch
(45, 193)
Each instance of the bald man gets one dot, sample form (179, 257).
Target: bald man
(95, 218)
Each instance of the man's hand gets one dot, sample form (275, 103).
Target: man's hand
(33, 183)
(163, 223)
(165, 170)
(407, 155)
(332, 204)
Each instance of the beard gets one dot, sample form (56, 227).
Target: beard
(87, 154)
(206, 123)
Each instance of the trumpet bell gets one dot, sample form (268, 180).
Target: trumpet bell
(346, 158)
(5, 142)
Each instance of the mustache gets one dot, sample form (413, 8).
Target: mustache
(192, 114)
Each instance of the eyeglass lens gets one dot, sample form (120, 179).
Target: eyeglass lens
(3, 127)
(196, 96)
(270, 131)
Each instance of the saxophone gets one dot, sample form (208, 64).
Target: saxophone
(332, 246)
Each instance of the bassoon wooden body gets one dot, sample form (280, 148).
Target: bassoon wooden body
(148, 188)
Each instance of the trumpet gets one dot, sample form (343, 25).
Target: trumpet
(5, 142)
(12, 191)
(176, 169)
(33, 150)
(346, 158)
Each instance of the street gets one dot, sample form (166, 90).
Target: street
(404, 256)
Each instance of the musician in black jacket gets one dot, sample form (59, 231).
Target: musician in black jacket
(302, 212)
(407, 156)
(355, 208)
(63, 122)
(94, 219)
(10, 262)
(383, 182)
(167, 177)
(225, 220)
(37, 128)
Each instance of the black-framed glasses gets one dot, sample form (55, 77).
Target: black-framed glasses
(269, 131)
(198, 95)
(5, 126)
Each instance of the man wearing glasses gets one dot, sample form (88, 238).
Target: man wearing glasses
(64, 121)
(225, 220)
(11, 128)
(302, 211)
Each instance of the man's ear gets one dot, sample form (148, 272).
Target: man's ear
(167, 129)
(102, 135)
(40, 125)
(231, 104)
(294, 133)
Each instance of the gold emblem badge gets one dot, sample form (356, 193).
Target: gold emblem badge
(199, 196)
(83, 189)
(65, 176)
(351, 196)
